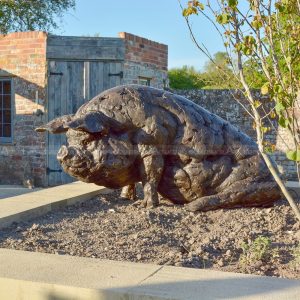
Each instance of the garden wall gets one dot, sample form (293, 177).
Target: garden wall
(223, 104)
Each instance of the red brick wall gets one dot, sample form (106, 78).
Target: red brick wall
(23, 58)
(141, 50)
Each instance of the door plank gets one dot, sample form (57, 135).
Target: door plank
(81, 81)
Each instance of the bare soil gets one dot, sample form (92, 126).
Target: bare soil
(252, 240)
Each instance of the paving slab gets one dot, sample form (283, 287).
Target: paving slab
(7, 191)
(185, 283)
(28, 275)
(37, 203)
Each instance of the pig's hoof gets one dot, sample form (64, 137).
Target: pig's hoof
(128, 193)
(150, 203)
(192, 207)
(203, 204)
(126, 198)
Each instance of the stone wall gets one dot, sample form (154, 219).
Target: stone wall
(285, 142)
(144, 60)
(134, 72)
(23, 59)
(223, 104)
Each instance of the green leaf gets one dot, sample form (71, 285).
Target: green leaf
(265, 89)
(238, 47)
(272, 115)
(280, 6)
(256, 24)
(223, 19)
(250, 40)
(279, 107)
(200, 5)
(265, 129)
(233, 3)
(189, 11)
(283, 122)
(293, 155)
(288, 60)
(257, 103)
(278, 88)
(247, 51)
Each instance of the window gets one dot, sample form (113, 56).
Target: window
(5, 110)
(144, 81)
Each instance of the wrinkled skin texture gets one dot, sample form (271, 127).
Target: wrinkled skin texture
(174, 147)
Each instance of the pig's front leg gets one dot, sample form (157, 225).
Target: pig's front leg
(129, 192)
(151, 169)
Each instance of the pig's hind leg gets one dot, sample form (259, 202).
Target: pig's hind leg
(150, 169)
(243, 193)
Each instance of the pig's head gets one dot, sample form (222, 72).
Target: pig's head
(94, 152)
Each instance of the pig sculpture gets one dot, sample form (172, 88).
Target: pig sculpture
(175, 147)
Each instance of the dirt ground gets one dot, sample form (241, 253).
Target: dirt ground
(256, 241)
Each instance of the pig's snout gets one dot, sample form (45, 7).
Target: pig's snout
(65, 152)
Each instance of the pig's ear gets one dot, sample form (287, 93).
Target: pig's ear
(58, 125)
(94, 122)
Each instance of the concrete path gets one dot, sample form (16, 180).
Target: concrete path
(39, 276)
(7, 191)
(28, 206)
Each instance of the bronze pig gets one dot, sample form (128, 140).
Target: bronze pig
(173, 146)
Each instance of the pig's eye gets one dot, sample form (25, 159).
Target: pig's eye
(99, 135)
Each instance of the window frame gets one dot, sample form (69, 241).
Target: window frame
(145, 79)
(8, 140)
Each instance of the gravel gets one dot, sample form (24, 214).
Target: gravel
(252, 240)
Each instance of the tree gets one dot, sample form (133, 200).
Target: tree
(254, 74)
(185, 78)
(22, 15)
(265, 33)
(211, 73)
(220, 60)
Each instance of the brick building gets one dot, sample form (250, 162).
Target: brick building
(44, 76)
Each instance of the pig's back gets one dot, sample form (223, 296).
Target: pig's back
(197, 129)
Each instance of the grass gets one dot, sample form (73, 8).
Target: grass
(258, 250)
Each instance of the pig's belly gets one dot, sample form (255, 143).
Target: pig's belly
(182, 183)
(117, 178)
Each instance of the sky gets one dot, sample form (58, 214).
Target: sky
(158, 20)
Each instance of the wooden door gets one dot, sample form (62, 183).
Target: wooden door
(70, 84)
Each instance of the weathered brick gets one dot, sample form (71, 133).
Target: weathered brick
(23, 58)
(146, 54)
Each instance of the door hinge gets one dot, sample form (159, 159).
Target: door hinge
(56, 73)
(121, 74)
(48, 171)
